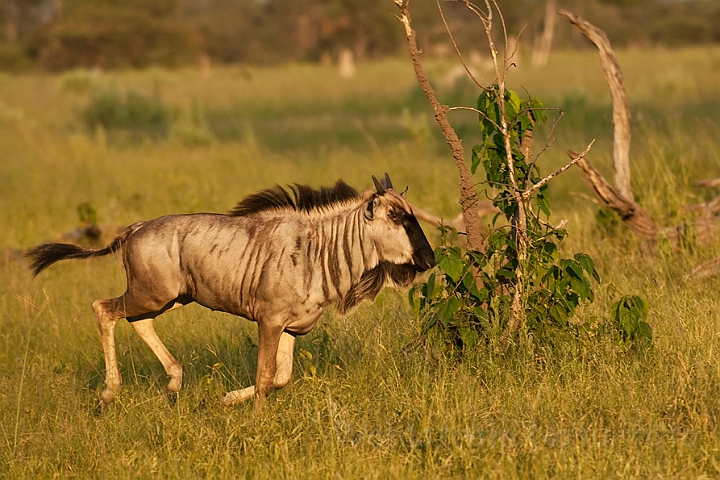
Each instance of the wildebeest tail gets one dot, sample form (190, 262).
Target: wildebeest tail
(46, 254)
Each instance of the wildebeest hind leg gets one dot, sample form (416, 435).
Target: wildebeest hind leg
(172, 367)
(107, 313)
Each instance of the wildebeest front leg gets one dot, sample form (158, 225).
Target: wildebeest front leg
(284, 360)
(283, 371)
(172, 367)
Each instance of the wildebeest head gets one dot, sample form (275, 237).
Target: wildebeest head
(394, 230)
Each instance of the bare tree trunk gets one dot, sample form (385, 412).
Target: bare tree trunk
(468, 194)
(541, 53)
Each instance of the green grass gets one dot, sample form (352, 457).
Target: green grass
(378, 405)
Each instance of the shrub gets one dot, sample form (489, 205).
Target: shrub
(629, 315)
(469, 300)
(191, 128)
(139, 114)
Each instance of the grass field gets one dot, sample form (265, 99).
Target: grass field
(365, 400)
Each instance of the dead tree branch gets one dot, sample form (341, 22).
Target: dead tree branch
(713, 182)
(706, 269)
(618, 198)
(621, 110)
(528, 192)
(634, 215)
(639, 221)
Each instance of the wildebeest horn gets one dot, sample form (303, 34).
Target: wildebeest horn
(388, 183)
(378, 186)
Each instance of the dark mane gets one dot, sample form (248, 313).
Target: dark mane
(300, 198)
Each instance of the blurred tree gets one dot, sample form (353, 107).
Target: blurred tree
(58, 34)
(112, 34)
(233, 30)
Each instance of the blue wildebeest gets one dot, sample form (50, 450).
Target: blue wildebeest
(279, 258)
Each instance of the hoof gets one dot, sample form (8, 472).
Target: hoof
(175, 374)
(230, 399)
(237, 396)
(172, 397)
(100, 407)
(107, 396)
(175, 385)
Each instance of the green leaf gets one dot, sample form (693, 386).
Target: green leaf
(469, 337)
(429, 287)
(512, 104)
(581, 287)
(572, 267)
(451, 263)
(539, 115)
(550, 249)
(448, 309)
(525, 122)
(629, 312)
(641, 307)
(644, 331)
(478, 258)
(628, 322)
(481, 294)
(487, 104)
(480, 313)
(510, 275)
(587, 263)
(543, 204)
(477, 154)
(559, 314)
(468, 279)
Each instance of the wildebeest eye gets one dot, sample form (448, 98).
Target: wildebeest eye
(395, 216)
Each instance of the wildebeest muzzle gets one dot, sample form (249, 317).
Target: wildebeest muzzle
(423, 256)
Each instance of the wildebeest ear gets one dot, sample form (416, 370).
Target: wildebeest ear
(370, 207)
(378, 186)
